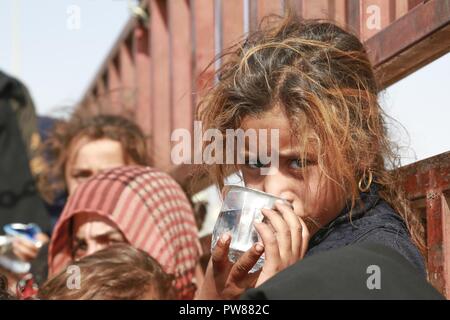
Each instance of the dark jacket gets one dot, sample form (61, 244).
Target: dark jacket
(19, 198)
(374, 221)
(360, 271)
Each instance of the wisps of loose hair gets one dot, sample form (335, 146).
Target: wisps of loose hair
(66, 133)
(320, 76)
(119, 272)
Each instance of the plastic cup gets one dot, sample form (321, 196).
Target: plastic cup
(241, 207)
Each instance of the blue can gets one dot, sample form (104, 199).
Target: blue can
(28, 231)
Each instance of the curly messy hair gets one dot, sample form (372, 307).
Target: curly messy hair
(66, 134)
(119, 272)
(321, 78)
(5, 294)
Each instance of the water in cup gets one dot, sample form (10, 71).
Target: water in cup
(241, 208)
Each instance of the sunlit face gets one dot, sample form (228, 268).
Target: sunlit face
(88, 158)
(312, 195)
(91, 233)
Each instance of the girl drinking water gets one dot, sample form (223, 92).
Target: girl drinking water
(314, 83)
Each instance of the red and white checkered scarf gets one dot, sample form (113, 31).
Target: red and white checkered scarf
(149, 208)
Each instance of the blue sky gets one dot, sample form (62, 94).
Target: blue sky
(421, 104)
(58, 63)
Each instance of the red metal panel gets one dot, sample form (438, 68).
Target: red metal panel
(204, 44)
(435, 228)
(253, 15)
(430, 179)
(417, 180)
(445, 210)
(92, 105)
(128, 79)
(161, 106)
(445, 198)
(417, 38)
(403, 6)
(353, 17)
(294, 6)
(113, 54)
(181, 44)
(232, 22)
(267, 7)
(262, 8)
(318, 9)
(115, 101)
(143, 76)
(101, 99)
(340, 12)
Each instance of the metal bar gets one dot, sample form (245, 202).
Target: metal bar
(253, 15)
(318, 9)
(268, 7)
(114, 88)
(415, 39)
(143, 77)
(204, 44)
(160, 83)
(416, 178)
(435, 263)
(127, 74)
(445, 198)
(429, 179)
(233, 21)
(217, 35)
(353, 17)
(112, 54)
(180, 30)
(340, 12)
(101, 99)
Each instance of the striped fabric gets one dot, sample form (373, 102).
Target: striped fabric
(149, 208)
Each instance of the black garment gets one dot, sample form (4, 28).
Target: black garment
(348, 273)
(55, 208)
(19, 199)
(373, 221)
(39, 266)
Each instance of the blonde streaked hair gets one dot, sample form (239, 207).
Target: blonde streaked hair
(321, 78)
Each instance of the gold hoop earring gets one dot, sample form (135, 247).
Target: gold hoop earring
(363, 180)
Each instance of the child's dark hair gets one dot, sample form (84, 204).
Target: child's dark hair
(5, 294)
(65, 134)
(119, 272)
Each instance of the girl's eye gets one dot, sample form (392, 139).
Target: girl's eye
(82, 175)
(254, 165)
(299, 163)
(114, 241)
(79, 249)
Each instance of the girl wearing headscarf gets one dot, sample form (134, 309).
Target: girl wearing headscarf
(137, 205)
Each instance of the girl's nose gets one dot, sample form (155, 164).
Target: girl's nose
(288, 196)
(273, 182)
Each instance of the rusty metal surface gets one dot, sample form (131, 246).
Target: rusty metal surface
(418, 177)
(428, 183)
(413, 40)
